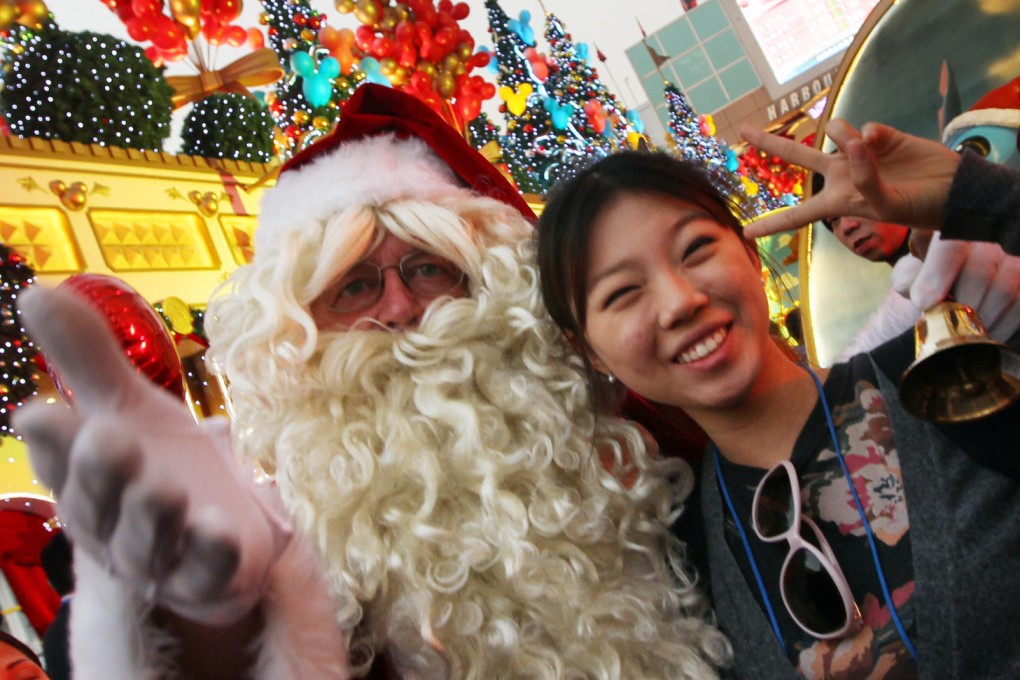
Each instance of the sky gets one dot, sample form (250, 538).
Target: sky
(612, 26)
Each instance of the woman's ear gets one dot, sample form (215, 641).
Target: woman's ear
(584, 350)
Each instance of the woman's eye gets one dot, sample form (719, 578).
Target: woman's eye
(616, 296)
(697, 244)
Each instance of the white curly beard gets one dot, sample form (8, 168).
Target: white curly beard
(467, 525)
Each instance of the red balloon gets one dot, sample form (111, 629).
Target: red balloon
(212, 30)
(404, 32)
(154, 55)
(382, 47)
(145, 7)
(142, 334)
(468, 108)
(235, 35)
(139, 28)
(406, 56)
(423, 11)
(228, 10)
(363, 37)
(479, 59)
(460, 11)
(445, 37)
(420, 82)
(167, 34)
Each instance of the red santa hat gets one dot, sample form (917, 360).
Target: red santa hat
(388, 145)
(1000, 106)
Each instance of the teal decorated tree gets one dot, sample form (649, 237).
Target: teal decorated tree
(529, 142)
(482, 131)
(599, 116)
(693, 137)
(307, 101)
(17, 353)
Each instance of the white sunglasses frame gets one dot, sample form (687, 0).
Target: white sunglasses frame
(825, 556)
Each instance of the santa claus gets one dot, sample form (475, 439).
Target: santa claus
(444, 502)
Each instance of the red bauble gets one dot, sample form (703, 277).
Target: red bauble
(143, 335)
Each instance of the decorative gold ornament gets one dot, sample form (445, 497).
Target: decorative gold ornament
(208, 203)
(320, 123)
(300, 117)
(71, 197)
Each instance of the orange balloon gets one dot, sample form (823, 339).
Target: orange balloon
(255, 38)
(340, 45)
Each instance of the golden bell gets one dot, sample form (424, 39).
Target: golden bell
(960, 373)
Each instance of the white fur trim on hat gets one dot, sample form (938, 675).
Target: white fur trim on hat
(369, 171)
(1009, 118)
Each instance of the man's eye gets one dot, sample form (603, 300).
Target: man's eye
(355, 288)
(427, 270)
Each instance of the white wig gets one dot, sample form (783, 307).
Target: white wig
(475, 519)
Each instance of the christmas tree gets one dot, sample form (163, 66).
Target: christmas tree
(306, 102)
(693, 137)
(17, 354)
(529, 145)
(482, 131)
(599, 117)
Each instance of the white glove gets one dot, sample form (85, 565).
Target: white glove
(977, 274)
(145, 491)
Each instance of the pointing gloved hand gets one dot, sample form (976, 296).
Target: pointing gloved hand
(147, 493)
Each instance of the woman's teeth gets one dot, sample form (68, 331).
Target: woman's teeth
(704, 348)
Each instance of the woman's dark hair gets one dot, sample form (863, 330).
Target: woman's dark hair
(564, 228)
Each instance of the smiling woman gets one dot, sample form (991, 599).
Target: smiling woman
(645, 268)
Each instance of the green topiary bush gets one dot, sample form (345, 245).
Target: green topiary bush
(229, 126)
(87, 87)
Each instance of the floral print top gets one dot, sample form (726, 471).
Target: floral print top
(862, 425)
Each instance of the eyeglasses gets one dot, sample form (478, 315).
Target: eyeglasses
(425, 274)
(814, 589)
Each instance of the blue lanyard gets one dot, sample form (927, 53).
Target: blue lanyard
(860, 509)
